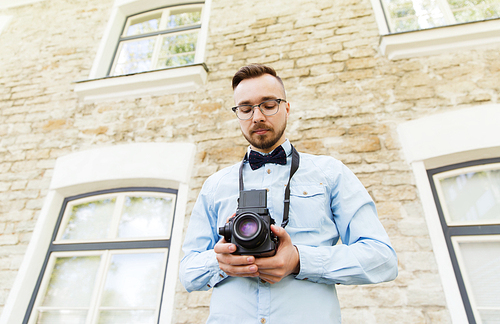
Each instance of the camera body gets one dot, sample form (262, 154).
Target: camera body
(250, 228)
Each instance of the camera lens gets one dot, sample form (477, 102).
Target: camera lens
(249, 230)
(248, 227)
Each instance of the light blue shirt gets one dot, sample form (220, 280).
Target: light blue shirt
(327, 202)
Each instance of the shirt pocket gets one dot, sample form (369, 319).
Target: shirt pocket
(308, 206)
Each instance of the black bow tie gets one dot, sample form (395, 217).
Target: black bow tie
(257, 160)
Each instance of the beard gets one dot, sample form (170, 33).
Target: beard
(266, 141)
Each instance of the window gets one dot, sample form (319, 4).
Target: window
(468, 201)
(405, 15)
(107, 209)
(441, 149)
(107, 260)
(158, 39)
(412, 28)
(149, 47)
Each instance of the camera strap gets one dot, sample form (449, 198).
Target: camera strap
(293, 168)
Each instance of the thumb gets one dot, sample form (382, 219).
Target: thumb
(280, 233)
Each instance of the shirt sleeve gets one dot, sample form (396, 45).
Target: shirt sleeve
(365, 254)
(199, 269)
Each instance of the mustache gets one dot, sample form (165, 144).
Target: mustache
(260, 126)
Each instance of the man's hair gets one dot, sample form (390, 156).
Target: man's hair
(253, 71)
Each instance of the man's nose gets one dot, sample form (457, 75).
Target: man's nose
(258, 115)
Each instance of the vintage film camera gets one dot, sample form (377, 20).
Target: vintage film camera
(250, 229)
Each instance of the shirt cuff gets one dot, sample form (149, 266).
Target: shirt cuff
(217, 275)
(311, 263)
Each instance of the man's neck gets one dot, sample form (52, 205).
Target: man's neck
(269, 150)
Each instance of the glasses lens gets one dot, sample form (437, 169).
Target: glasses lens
(269, 107)
(248, 227)
(244, 112)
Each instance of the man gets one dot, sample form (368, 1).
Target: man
(297, 284)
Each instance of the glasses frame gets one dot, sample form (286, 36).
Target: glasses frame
(278, 101)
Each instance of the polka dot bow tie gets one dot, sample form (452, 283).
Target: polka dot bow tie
(257, 160)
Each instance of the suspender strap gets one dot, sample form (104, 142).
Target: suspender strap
(293, 168)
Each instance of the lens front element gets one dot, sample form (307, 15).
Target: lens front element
(247, 227)
(249, 230)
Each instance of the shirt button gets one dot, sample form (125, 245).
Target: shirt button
(268, 171)
(305, 193)
(263, 320)
(262, 280)
(220, 274)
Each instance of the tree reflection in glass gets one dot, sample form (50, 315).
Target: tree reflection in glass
(144, 24)
(90, 220)
(70, 286)
(135, 56)
(177, 19)
(145, 217)
(133, 281)
(178, 49)
(473, 196)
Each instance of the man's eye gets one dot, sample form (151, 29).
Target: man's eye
(270, 105)
(245, 109)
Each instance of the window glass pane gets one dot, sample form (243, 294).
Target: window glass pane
(62, 317)
(184, 17)
(474, 10)
(146, 217)
(178, 49)
(135, 56)
(72, 281)
(144, 24)
(127, 317)
(134, 280)
(472, 197)
(413, 15)
(90, 220)
(481, 262)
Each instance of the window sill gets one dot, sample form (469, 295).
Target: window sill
(440, 40)
(158, 82)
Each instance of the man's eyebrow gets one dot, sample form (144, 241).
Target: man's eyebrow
(248, 103)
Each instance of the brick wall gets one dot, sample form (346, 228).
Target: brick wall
(346, 101)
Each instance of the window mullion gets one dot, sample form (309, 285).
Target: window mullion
(95, 301)
(163, 25)
(113, 231)
(156, 52)
(447, 13)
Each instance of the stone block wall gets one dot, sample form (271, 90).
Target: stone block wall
(346, 98)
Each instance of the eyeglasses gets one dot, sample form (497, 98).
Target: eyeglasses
(267, 108)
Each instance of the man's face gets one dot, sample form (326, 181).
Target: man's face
(264, 133)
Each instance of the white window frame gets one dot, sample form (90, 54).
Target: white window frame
(4, 22)
(4, 4)
(101, 87)
(129, 165)
(443, 139)
(445, 39)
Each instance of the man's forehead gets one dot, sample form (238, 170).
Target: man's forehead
(259, 88)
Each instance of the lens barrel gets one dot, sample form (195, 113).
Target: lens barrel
(249, 230)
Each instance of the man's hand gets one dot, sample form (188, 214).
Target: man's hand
(234, 265)
(285, 262)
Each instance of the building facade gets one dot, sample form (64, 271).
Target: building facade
(113, 114)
